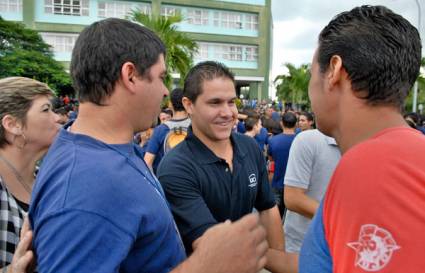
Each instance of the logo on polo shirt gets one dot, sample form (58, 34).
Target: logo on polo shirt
(374, 248)
(252, 180)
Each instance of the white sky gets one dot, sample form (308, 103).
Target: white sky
(297, 23)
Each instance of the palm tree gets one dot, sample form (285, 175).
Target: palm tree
(293, 87)
(180, 48)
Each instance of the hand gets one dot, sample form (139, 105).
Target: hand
(23, 258)
(233, 247)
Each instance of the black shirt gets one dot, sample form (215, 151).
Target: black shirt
(202, 190)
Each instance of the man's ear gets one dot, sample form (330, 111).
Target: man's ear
(188, 105)
(128, 75)
(12, 125)
(336, 71)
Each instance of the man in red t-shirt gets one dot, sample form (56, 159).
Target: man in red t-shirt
(372, 217)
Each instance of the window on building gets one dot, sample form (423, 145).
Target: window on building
(232, 52)
(67, 7)
(227, 19)
(251, 21)
(235, 53)
(202, 53)
(60, 42)
(197, 17)
(119, 9)
(251, 53)
(10, 5)
(170, 11)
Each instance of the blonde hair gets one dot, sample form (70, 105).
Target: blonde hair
(16, 97)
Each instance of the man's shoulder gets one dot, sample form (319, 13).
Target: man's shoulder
(245, 142)
(240, 137)
(278, 139)
(160, 130)
(309, 135)
(388, 143)
(178, 156)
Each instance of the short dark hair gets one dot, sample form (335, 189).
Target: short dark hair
(61, 111)
(176, 97)
(308, 115)
(250, 122)
(204, 71)
(289, 120)
(380, 50)
(101, 50)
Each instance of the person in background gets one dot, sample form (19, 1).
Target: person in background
(278, 150)
(414, 121)
(305, 121)
(156, 147)
(253, 126)
(311, 163)
(28, 127)
(63, 115)
(165, 115)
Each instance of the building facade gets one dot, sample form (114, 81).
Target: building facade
(237, 33)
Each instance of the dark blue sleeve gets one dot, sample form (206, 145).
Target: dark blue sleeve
(78, 241)
(315, 255)
(156, 142)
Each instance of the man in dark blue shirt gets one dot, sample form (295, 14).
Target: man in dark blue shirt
(215, 174)
(279, 146)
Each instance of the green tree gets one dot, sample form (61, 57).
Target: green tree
(293, 87)
(24, 53)
(180, 47)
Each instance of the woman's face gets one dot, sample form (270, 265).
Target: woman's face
(41, 124)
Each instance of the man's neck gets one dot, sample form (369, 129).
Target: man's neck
(179, 115)
(220, 148)
(288, 131)
(359, 125)
(250, 133)
(103, 123)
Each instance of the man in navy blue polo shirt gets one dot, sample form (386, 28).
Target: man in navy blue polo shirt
(216, 174)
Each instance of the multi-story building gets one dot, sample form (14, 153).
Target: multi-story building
(237, 33)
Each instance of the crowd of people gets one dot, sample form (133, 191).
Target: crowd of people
(209, 188)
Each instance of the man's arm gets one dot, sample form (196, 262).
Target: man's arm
(296, 200)
(149, 158)
(155, 144)
(229, 247)
(281, 262)
(271, 221)
(278, 261)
